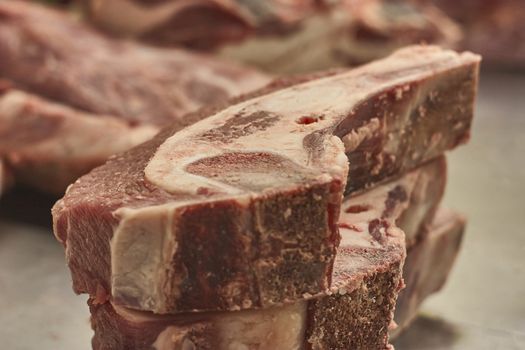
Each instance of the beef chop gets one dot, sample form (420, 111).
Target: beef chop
(240, 210)
(49, 145)
(354, 314)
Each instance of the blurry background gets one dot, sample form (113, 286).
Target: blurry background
(483, 304)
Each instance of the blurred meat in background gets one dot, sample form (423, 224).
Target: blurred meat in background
(494, 29)
(304, 35)
(279, 36)
(71, 97)
(5, 177)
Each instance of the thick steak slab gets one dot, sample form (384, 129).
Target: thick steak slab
(428, 265)
(354, 314)
(49, 54)
(240, 210)
(279, 36)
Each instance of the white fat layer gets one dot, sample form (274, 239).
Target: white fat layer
(140, 247)
(331, 98)
(353, 139)
(167, 168)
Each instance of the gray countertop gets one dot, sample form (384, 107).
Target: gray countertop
(481, 307)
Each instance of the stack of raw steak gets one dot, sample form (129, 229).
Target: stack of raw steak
(5, 177)
(70, 97)
(280, 220)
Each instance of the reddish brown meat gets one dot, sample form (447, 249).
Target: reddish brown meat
(240, 210)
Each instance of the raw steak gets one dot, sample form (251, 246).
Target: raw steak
(47, 53)
(354, 314)
(240, 210)
(280, 36)
(428, 265)
(291, 326)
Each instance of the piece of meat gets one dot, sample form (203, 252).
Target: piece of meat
(351, 312)
(354, 314)
(70, 97)
(47, 53)
(280, 36)
(495, 29)
(49, 145)
(240, 210)
(428, 265)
